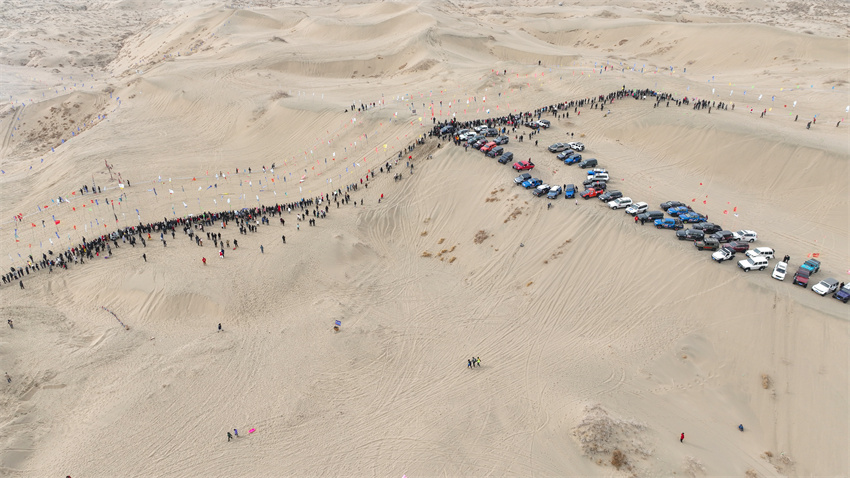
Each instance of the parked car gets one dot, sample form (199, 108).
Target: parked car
(544, 123)
(587, 183)
(746, 235)
(723, 236)
(690, 235)
(591, 193)
(669, 223)
(707, 244)
(588, 163)
(565, 154)
(554, 192)
(708, 227)
(570, 191)
(502, 139)
(558, 147)
(610, 195)
(576, 146)
(723, 254)
(761, 251)
(506, 158)
(488, 146)
(540, 190)
(532, 183)
(637, 208)
(595, 171)
(447, 129)
(598, 176)
(738, 246)
(596, 185)
(692, 217)
(843, 294)
(675, 211)
(497, 151)
(492, 132)
(801, 277)
(811, 265)
(522, 177)
(751, 263)
(667, 205)
(523, 165)
(620, 203)
(826, 286)
(576, 158)
(779, 270)
(650, 216)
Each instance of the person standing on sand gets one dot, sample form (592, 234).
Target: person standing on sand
(204, 260)
(468, 365)
(229, 436)
(145, 257)
(284, 239)
(236, 432)
(682, 438)
(22, 284)
(262, 251)
(219, 327)
(8, 378)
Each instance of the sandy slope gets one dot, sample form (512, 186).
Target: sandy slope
(596, 335)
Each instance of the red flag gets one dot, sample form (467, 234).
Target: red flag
(33, 224)
(704, 201)
(725, 211)
(57, 221)
(816, 254)
(735, 209)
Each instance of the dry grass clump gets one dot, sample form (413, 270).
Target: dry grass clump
(426, 254)
(424, 233)
(751, 473)
(692, 466)
(765, 381)
(618, 459)
(514, 214)
(442, 239)
(480, 236)
(279, 94)
(529, 284)
(599, 433)
(452, 259)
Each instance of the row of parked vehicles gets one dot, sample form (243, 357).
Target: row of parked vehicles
(705, 235)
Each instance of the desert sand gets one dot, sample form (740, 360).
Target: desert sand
(600, 341)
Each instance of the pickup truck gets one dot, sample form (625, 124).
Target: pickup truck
(811, 265)
(801, 278)
(751, 263)
(724, 254)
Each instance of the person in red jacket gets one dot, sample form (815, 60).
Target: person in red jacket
(682, 438)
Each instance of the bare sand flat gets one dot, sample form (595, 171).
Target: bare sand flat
(601, 341)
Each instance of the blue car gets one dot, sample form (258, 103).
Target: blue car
(668, 223)
(692, 217)
(576, 158)
(570, 191)
(675, 211)
(531, 183)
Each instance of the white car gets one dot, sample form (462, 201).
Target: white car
(745, 235)
(780, 270)
(757, 262)
(576, 146)
(620, 203)
(761, 251)
(826, 286)
(637, 208)
(598, 176)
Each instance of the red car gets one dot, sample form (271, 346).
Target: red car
(488, 146)
(523, 165)
(592, 193)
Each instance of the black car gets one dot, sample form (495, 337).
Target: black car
(667, 205)
(650, 216)
(522, 177)
(502, 140)
(690, 235)
(723, 236)
(496, 151)
(707, 244)
(446, 129)
(507, 158)
(708, 227)
(596, 185)
(492, 132)
(565, 154)
(588, 163)
(610, 195)
(540, 190)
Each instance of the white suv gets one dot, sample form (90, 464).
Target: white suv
(780, 270)
(620, 203)
(746, 235)
(761, 251)
(637, 208)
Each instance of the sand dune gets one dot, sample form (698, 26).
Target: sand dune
(601, 341)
